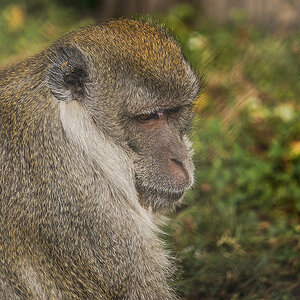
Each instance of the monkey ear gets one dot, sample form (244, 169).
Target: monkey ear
(68, 74)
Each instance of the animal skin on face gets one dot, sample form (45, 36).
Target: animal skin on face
(93, 146)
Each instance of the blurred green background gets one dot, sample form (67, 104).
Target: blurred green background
(238, 234)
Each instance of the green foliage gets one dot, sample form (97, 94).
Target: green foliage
(28, 26)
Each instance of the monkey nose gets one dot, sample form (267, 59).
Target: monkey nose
(178, 170)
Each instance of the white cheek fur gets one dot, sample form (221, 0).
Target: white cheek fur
(112, 161)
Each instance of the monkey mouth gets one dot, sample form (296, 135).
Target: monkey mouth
(171, 195)
(168, 195)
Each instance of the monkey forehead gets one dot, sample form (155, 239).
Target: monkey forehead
(140, 44)
(153, 95)
(146, 49)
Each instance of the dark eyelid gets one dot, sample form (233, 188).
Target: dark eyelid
(173, 110)
(147, 117)
(168, 112)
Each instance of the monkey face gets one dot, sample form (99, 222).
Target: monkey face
(161, 155)
(138, 89)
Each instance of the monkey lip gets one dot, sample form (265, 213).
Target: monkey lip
(169, 195)
(174, 195)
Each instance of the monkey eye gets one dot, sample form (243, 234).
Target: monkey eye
(148, 117)
(173, 111)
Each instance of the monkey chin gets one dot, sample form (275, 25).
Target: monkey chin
(160, 200)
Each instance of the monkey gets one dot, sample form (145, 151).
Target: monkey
(94, 151)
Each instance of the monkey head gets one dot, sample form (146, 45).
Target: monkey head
(138, 89)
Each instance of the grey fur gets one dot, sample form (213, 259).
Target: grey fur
(82, 182)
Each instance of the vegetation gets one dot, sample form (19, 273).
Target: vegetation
(238, 235)
(26, 27)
